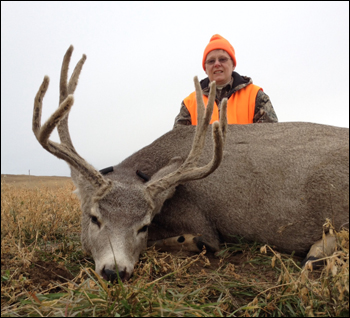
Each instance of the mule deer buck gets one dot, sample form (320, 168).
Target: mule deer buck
(273, 183)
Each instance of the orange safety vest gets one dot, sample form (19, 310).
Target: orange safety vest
(240, 106)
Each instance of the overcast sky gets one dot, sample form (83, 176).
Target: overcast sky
(141, 60)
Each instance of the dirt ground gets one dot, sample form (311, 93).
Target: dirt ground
(40, 273)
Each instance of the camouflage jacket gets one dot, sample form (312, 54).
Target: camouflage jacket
(264, 112)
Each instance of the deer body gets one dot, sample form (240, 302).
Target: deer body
(277, 184)
(273, 183)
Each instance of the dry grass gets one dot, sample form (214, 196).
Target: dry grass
(45, 273)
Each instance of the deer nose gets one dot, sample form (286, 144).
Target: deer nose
(113, 277)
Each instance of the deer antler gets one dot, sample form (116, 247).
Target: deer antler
(65, 149)
(67, 89)
(188, 170)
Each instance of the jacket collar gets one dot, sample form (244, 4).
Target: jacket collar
(238, 83)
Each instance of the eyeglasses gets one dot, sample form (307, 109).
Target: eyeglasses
(222, 60)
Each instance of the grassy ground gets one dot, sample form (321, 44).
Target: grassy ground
(45, 273)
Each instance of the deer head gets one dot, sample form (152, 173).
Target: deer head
(116, 214)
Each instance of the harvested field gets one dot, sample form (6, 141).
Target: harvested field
(25, 181)
(44, 272)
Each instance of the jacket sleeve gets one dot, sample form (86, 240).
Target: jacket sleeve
(264, 112)
(183, 118)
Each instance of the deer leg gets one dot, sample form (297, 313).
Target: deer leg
(186, 242)
(322, 248)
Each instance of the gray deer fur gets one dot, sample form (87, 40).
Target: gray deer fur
(272, 183)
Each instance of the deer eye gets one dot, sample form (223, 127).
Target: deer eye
(143, 229)
(94, 220)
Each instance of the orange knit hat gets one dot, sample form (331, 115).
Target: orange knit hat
(217, 42)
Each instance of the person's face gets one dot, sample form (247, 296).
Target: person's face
(219, 66)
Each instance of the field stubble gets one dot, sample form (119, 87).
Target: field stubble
(45, 273)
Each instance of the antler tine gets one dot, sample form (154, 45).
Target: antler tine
(65, 90)
(69, 88)
(63, 151)
(223, 118)
(64, 74)
(38, 102)
(73, 81)
(203, 120)
(188, 170)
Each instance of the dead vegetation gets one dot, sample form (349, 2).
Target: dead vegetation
(45, 273)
